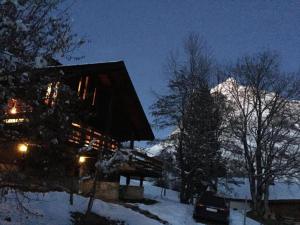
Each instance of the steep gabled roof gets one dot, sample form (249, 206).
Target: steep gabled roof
(128, 119)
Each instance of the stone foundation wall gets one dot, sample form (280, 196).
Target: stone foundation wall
(131, 192)
(108, 191)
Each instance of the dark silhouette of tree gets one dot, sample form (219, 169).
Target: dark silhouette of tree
(191, 110)
(32, 34)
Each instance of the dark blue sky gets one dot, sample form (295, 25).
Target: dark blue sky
(143, 32)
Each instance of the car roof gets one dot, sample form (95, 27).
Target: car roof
(209, 198)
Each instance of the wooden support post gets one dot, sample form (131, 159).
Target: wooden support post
(128, 180)
(131, 144)
(141, 181)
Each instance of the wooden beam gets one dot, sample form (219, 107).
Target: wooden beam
(131, 144)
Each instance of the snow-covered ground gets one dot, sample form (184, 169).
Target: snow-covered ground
(53, 209)
(171, 210)
(282, 189)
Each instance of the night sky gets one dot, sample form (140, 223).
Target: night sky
(143, 32)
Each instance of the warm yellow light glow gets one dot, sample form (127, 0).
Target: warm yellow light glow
(79, 86)
(13, 110)
(22, 148)
(17, 120)
(82, 159)
(76, 125)
(85, 87)
(48, 93)
(94, 96)
(51, 93)
(55, 91)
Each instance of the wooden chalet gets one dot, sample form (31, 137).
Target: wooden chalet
(107, 90)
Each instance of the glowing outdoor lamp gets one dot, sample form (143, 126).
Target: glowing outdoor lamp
(82, 159)
(22, 148)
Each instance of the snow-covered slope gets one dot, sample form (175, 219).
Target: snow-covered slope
(157, 148)
(171, 210)
(53, 209)
(168, 208)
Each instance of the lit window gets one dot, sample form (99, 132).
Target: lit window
(76, 125)
(85, 87)
(13, 110)
(15, 107)
(16, 120)
(79, 86)
(55, 91)
(51, 93)
(94, 96)
(48, 93)
(12, 104)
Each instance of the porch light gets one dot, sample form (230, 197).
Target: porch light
(82, 159)
(22, 148)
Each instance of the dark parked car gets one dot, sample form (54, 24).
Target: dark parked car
(211, 207)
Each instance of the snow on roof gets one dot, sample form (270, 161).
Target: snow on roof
(238, 188)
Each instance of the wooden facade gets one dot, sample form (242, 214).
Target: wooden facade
(107, 90)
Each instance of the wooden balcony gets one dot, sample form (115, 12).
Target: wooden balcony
(84, 136)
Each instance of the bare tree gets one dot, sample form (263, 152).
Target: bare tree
(264, 122)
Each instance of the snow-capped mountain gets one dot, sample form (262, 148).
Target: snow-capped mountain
(232, 90)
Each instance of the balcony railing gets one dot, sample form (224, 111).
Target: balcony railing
(85, 135)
